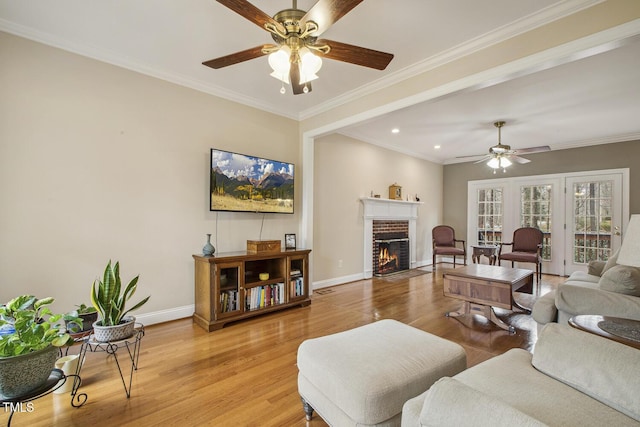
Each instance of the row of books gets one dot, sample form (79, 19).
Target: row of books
(229, 301)
(264, 296)
(297, 287)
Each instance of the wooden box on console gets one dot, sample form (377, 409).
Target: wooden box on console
(263, 246)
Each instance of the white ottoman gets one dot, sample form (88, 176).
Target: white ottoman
(363, 376)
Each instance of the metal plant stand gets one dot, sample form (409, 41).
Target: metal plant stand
(55, 381)
(131, 344)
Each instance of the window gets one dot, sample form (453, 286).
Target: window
(489, 216)
(535, 211)
(592, 219)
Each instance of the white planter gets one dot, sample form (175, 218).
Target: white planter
(22, 374)
(125, 329)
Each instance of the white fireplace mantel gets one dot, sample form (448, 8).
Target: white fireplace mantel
(387, 209)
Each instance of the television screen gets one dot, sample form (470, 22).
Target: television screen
(242, 183)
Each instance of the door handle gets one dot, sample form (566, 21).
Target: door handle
(616, 231)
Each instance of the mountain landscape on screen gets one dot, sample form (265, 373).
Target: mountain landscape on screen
(250, 184)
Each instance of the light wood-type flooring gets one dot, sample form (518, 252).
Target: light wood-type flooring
(245, 374)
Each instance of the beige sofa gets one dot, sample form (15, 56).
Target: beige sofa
(607, 289)
(573, 378)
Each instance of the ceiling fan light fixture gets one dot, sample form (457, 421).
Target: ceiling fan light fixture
(310, 64)
(493, 163)
(279, 62)
(499, 162)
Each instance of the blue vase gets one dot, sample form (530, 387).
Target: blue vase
(208, 248)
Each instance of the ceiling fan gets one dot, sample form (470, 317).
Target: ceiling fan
(295, 56)
(501, 155)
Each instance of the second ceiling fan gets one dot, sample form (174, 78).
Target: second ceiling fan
(501, 155)
(295, 56)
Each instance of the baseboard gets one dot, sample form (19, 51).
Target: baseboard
(337, 281)
(165, 315)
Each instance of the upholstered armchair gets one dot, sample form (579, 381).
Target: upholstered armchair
(444, 243)
(525, 247)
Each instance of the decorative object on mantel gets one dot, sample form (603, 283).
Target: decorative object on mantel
(263, 246)
(417, 198)
(208, 249)
(395, 192)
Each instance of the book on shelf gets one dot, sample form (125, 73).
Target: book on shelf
(295, 272)
(264, 296)
(228, 301)
(297, 287)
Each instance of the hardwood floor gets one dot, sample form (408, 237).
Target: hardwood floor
(246, 375)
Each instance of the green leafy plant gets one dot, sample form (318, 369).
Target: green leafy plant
(85, 309)
(36, 327)
(107, 298)
(87, 315)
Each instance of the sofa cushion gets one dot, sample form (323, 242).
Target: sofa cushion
(545, 310)
(511, 378)
(588, 298)
(581, 276)
(487, 410)
(611, 262)
(622, 279)
(601, 368)
(595, 268)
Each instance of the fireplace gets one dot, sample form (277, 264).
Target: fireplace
(391, 252)
(389, 216)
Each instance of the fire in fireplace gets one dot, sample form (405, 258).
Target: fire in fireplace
(391, 254)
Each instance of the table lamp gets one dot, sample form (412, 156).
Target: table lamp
(630, 251)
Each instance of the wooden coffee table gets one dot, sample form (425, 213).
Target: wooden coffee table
(483, 287)
(625, 331)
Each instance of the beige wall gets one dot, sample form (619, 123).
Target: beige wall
(606, 156)
(345, 170)
(97, 162)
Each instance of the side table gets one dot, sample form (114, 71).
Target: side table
(624, 331)
(55, 381)
(131, 344)
(487, 250)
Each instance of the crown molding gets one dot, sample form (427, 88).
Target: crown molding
(131, 64)
(520, 26)
(498, 35)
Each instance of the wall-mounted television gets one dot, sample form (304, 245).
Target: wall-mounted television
(242, 183)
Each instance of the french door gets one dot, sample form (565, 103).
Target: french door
(594, 219)
(581, 215)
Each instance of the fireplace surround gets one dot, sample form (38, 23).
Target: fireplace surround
(396, 215)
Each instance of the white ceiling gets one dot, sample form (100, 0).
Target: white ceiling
(587, 101)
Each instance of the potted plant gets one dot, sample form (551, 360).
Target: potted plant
(87, 314)
(110, 301)
(28, 344)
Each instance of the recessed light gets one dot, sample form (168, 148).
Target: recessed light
(436, 147)
(395, 130)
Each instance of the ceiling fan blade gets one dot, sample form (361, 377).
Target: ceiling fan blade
(235, 58)
(518, 159)
(356, 54)
(482, 160)
(532, 150)
(472, 155)
(250, 12)
(294, 79)
(327, 12)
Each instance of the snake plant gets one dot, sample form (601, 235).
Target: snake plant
(108, 297)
